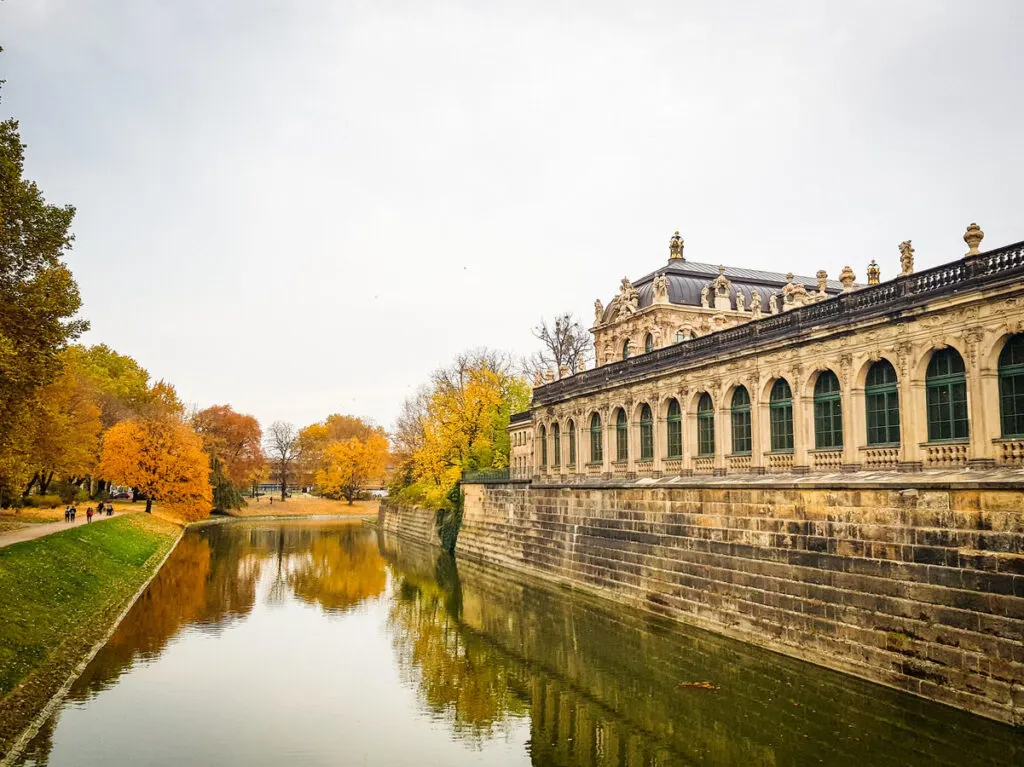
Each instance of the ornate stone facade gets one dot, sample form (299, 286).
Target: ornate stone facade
(910, 369)
(685, 300)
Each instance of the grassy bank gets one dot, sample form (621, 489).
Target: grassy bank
(59, 595)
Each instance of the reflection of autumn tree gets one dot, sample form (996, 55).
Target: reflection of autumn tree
(459, 674)
(338, 571)
(173, 599)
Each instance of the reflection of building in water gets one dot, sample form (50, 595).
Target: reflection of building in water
(602, 685)
(720, 370)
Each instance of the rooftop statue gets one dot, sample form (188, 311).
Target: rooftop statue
(628, 299)
(661, 289)
(907, 257)
(598, 311)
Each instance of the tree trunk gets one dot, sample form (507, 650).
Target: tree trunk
(284, 482)
(31, 484)
(149, 505)
(45, 485)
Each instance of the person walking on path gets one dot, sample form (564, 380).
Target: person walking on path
(88, 514)
(67, 513)
(74, 513)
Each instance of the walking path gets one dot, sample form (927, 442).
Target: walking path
(31, 532)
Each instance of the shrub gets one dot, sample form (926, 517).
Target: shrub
(43, 501)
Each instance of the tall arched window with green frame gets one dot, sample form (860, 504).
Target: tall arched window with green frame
(626, 351)
(543, 447)
(828, 412)
(739, 415)
(646, 433)
(596, 443)
(556, 438)
(649, 343)
(882, 404)
(1011, 388)
(945, 384)
(572, 443)
(780, 416)
(621, 436)
(705, 425)
(674, 429)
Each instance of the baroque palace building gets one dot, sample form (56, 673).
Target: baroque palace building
(713, 370)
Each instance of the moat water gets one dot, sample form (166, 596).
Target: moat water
(325, 643)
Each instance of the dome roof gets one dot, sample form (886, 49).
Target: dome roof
(686, 280)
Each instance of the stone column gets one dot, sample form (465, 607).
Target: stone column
(803, 427)
(608, 430)
(855, 426)
(913, 421)
(982, 407)
(761, 426)
(721, 414)
(689, 435)
(660, 439)
(633, 447)
(757, 430)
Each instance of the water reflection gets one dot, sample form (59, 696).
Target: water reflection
(607, 687)
(322, 643)
(210, 581)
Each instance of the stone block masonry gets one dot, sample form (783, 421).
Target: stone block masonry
(919, 588)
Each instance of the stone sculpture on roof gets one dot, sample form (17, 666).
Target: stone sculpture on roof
(660, 286)
(906, 258)
(628, 300)
(598, 311)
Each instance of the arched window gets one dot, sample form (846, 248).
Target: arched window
(740, 416)
(596, 448)
(675, 429)
(828, 412)
(780, 409)
(646, 433)
(882, 404)
(648, 344)
(543, 447)
(682, 335)
(946, 385)
(556, 437)
(625, 349)
(705, 425)
(621, 436)
(572, 444)
(1011, 387)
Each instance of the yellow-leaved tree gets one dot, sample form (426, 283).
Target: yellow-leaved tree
(348, 465)
(162, 458)
(65, 428)
(457, 424)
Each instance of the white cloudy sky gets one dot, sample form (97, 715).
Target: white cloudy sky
(304, 207)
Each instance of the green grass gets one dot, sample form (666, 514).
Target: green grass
(59, 594)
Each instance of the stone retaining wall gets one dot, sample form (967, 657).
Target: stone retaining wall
(918, 588)
(410, 522)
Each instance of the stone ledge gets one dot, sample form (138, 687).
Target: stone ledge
(934, 479)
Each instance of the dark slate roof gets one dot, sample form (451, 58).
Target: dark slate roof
(686, 280)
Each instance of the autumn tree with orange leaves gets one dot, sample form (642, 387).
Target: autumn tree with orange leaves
(163, 459)
(233, 441)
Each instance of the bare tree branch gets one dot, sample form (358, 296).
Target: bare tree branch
(567, 344)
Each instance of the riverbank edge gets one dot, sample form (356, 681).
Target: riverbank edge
(22, 739)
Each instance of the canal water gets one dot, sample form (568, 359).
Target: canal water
(325, 643)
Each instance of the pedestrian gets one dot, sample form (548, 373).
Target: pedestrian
(67, 513)
(88, 514)
(74, 512)
(110, 509)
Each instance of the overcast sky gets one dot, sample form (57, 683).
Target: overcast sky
(301, 208)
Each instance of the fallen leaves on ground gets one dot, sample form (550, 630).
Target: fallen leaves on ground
(700, 685)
